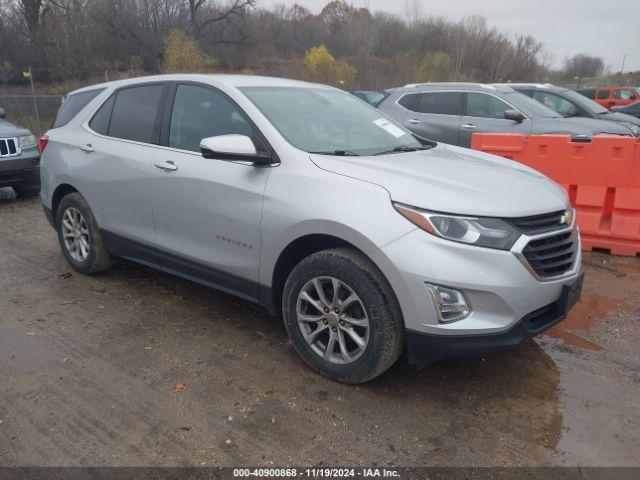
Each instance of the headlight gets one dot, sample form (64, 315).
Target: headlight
(27, 141)
(480, 231)
(634, 128)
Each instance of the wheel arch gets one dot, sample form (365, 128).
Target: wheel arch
(300, 248)
(58, 194)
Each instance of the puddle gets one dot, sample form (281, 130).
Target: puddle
(591, 309)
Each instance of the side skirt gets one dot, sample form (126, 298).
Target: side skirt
(138, 252)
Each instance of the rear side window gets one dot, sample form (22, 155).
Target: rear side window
(442, 103)
(589, 92)
(134, 113)
(485, 106)
(602, 94)
(100, 121)
(73, 104)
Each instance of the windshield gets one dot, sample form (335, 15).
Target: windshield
(584, 102)
(529, 106)
(323, 120)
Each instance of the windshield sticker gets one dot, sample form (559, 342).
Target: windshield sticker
(389, 127)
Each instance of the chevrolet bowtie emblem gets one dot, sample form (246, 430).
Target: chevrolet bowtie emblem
(567, 218)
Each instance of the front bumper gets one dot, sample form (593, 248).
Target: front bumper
(20, 171)
(499, 286)
(424, 348)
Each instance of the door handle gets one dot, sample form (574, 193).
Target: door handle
(414, 121)
(167, 166)
(87, 148)
(468, 126)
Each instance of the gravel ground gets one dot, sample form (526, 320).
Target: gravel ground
(136, 367)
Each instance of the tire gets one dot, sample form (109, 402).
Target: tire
(376, 304)
(97, 259)
(25, 191)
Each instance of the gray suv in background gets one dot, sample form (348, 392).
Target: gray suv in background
(367, 240)
(571, 104)
(453, 112)
(19, 158)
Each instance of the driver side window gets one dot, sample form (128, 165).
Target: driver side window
(200, 112)
(556, 103)
(485, 106)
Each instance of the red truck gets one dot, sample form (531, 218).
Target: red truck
(612, 96)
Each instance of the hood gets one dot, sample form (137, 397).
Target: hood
(592, 126)
(454, 180)
(8, 129)
(619, 117)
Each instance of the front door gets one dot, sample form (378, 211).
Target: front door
(208, 211)
(484, 113)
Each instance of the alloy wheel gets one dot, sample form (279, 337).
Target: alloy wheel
(332, 319)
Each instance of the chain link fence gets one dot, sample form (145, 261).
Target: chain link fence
(34, 112)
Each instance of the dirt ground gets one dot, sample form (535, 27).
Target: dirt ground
(136, 367)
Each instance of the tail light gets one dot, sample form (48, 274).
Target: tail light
(42, 143)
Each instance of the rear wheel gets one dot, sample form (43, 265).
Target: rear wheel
(79, 236)
(342, 316)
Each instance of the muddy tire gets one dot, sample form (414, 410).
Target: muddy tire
(339, 293)
(79, 236)
(26, 191)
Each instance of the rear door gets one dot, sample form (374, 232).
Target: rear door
(484, 113)
(208, 211)
(435, 115)
(113, 168)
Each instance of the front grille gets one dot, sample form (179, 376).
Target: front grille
(537, 224)
(8, 147)
(554, 255)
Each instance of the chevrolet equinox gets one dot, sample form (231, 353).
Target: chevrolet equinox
(368, 240)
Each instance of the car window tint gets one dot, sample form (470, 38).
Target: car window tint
(200, 112)
(485, 106)
(100, 121)
(602, 94)
(556, 103)
(72, 105)
(623, 94)
(134, 113)
(443, 103)
(408, 101)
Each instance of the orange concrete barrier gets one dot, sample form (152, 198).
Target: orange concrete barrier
(601, 176)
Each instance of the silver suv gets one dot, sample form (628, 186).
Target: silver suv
(453, 112)
(367, 240)
(19, 158)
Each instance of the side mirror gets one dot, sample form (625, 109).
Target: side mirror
(514, 115)
(3, 114)
(233, 147)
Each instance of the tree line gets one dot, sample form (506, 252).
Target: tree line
(353, 47)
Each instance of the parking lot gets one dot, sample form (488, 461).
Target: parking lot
(136, 367)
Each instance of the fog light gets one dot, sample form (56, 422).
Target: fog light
(450, 304)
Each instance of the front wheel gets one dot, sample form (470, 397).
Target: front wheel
(342, 316)
(79, 236)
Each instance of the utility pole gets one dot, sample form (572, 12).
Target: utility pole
(624, 58)
(35, 100)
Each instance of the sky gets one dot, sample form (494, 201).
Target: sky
(608, 29)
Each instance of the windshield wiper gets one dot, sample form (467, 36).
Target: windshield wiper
(403, 148)
(339, 153)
